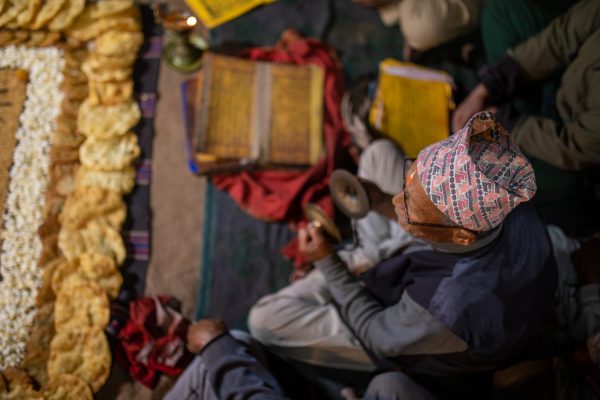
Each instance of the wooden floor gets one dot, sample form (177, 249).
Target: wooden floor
(177, 201)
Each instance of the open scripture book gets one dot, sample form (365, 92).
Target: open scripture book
(243, 113)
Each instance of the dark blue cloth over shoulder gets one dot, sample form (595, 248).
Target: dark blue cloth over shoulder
(495, 298)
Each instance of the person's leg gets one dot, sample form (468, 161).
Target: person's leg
(193, 384)
(395, 386)
(302, 323)
(382, 163)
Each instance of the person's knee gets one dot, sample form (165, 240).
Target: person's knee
(262, 320)
(192, 383)
(257, 319)
(389, 382)
(280, 316)
(395, 385)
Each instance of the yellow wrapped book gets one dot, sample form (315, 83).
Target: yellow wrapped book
(412, 105)
(216, 12)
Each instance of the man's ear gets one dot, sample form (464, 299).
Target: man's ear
(463, 237)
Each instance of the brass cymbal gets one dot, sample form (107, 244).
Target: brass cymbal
(349, 194)
(315, 214)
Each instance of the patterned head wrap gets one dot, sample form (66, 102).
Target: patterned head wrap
(476, 176)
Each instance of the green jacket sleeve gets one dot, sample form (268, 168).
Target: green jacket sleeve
(554, 47)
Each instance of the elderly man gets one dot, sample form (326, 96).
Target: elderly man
(469, 295)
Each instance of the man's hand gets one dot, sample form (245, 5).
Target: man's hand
(288, 37)
(474, 103)
(313, 244)
(201, 332)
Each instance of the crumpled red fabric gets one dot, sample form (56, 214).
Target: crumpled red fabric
(274, 195)
(153, 340)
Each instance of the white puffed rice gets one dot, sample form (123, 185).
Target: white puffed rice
(22, 214)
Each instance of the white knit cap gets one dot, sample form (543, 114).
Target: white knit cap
(426, 24)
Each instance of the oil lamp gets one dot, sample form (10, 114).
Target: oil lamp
(180, 52)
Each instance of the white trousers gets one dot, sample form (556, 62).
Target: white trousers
(300, 321)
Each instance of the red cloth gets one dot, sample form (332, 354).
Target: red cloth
(281, 195)
(153, 340)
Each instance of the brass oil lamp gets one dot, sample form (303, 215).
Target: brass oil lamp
(180, 52)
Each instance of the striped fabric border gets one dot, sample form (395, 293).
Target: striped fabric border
(137, 244)
(147, 102)
(144, 172)
(153, 48)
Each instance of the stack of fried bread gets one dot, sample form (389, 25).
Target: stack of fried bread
(92, 155)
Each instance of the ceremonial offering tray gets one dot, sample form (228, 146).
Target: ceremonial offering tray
(66, 153)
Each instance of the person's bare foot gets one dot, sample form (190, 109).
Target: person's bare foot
(288, 36)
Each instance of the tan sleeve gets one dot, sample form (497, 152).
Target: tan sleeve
(573, 145)
(554, 47)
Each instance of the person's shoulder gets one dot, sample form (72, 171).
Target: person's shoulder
(524, 212)
(523, 226)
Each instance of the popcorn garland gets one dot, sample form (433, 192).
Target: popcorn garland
(21, 245)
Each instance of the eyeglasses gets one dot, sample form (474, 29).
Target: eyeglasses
(407, 164)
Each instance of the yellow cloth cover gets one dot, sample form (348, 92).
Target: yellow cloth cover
(412, 105)
(216, 12)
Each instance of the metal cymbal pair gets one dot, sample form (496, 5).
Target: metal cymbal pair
(349, 195)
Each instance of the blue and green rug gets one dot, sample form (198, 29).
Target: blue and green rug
(241, 260)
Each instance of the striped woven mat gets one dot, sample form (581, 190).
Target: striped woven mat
(136, 231)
